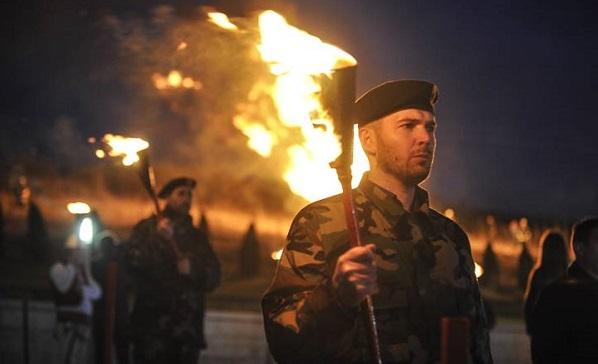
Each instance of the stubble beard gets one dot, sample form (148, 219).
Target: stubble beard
(398, 167)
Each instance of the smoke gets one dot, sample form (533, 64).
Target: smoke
(191, 130)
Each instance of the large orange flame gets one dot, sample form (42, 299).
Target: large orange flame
(298, 60)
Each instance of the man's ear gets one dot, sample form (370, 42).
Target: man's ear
(368, 139)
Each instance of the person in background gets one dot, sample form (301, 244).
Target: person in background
(551, 265)
(74, 290)
(564, 324)
(23, 230)
(491, 277)
(107, 251)
(173, 267)
(249, 254)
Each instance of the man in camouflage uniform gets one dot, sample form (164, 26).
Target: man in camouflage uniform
(167, 319)
(417, 264)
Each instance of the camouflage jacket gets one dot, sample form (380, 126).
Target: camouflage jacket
(169, 304)
(425, 272)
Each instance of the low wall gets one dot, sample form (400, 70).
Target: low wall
(233, 337)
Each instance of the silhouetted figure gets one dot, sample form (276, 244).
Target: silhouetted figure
(491, 276)
(564, 325)
(551, 265)
(23, 229)
(108, 250)
(249, 258)
(525, 265)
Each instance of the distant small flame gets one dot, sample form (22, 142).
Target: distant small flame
(181, 46)
(520, 230)
(175, 79)
(125, 147)
(221, 20)
(450, 213)
(479, 271)
(100, 153)
(277, 254)
(76, 208)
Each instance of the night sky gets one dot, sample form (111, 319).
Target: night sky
(517, 127)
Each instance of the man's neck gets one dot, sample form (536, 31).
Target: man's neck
(390, 183)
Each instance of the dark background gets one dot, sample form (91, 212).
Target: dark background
(517, 127)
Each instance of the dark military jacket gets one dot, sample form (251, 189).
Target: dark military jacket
(425, 272)
(170, 305)
(564, 324)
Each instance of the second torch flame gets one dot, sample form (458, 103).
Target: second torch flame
(120, 146)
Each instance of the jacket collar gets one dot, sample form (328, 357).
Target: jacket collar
(388, 201)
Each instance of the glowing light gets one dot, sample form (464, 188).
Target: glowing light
(125, 147)
(450, 213)
(86, 230)
(188, 82)
(277, 254)
(520, 230)
(181, 46)
(173, 80)
(298, 61)
(479, 271)
(78, 208)
(100, 153)
(221, 20)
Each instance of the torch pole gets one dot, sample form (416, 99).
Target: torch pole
(339, 92)
(367, 306)
(146, 173)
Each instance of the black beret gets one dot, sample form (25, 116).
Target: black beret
(174, 183)
(393, 96)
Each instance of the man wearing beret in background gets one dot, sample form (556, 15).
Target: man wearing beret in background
(417, 264)
(173, 266)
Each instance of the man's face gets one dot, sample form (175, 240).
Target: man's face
(180, 199)
(402, 144)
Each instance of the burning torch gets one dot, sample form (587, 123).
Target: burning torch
(136, 151)
(339, 93)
